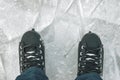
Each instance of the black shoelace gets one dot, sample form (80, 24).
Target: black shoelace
(90, 60)
(32, 55)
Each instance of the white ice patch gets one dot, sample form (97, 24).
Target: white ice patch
(62, 24)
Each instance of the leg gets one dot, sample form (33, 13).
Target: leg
(89, 76)
(33, 73)
(90, 57)
(32, 57)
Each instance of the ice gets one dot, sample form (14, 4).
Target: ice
(62, 24)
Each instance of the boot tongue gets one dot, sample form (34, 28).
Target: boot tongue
(30, 49)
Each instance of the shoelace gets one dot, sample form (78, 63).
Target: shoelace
(90, 60)
(32, 56)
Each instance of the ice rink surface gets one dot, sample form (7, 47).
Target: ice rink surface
(62, 24)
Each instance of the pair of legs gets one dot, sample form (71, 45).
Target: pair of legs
(32, 57)
(35, 73)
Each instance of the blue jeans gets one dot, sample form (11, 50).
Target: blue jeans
(35, 73)
(89, 76)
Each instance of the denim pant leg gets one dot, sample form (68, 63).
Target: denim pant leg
(89, 76)
(32, 73)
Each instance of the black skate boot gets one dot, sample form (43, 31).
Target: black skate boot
(90, 54)
(31, 51)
